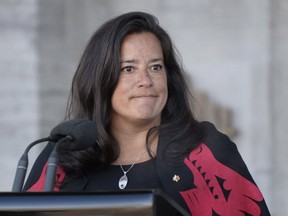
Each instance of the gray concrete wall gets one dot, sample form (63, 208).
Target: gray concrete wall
(279, 102)
(235, 52)
(18, 84)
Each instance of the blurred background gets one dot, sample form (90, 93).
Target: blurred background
(235, 53)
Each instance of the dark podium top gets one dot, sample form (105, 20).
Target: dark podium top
(148, 202)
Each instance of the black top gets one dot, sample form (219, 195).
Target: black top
(141, 176)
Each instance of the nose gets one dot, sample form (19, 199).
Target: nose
(144, 79)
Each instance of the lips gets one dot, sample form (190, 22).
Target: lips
(144, 96)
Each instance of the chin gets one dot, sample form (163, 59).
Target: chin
(149, 118)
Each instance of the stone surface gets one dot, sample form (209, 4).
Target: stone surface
(18, 84)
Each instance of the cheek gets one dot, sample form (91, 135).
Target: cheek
(126, 81)
(161, 84)
(120, 92)
(122, 87)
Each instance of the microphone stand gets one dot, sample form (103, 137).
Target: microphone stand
(22, 166)
(52, 166)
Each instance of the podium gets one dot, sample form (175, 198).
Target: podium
(128, 203)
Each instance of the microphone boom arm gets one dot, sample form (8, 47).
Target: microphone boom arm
(22, 166)
(52, 166)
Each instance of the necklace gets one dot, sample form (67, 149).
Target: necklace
(123, 181)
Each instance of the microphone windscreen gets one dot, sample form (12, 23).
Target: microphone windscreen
(81, 131)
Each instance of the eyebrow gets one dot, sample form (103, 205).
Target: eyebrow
(137, 61)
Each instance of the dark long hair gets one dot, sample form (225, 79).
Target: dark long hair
(95, 81)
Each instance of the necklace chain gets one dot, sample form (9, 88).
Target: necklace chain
(123, 181)
(125, 172)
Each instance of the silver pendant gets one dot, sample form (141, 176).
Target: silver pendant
(123, 181)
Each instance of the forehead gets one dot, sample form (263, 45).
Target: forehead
(143, 44)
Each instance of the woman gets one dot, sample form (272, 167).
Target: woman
(130, 83)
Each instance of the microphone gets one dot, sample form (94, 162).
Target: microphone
(22, 166)
(74, 135)
(80, 134)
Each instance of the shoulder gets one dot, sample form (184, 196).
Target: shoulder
(217, 141)
(211, 132)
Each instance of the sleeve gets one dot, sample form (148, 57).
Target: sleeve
(223, 183)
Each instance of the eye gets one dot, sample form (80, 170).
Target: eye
(128, 69)
(156, 67)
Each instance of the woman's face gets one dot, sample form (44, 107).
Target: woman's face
(141, 92)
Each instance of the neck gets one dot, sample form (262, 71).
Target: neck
(132, 142)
